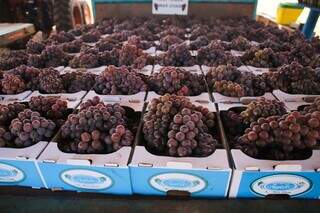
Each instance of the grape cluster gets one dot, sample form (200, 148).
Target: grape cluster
(87, 59)
(96, 128)
(178, 55)
(240, 43)
(107, 44)
(263, 58)
(12, 59)
(50, 81)
(315, 106)
(91, 36)
(119, 81)
(62, 37)
(229, 88)
(199, 42)
(30, 76)
(296, 79)
(73, 46)
(214, 54)
(54, 56)
(174, 126)
(280, 137)
(77, 81)
(9, 112)
(131, 55)
(29, 128)
(12, 84)
(137, 41)
(262, 108)
(304, 53)
(50, 107)
(177, 81)
(34, 47)
(169, 40)
(174, 30)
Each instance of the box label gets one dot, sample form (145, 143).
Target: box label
(86, 179)
(281, 184)
(177, 181)
(10, 174)
(170, 7)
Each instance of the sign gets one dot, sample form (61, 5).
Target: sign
(86, 179)
(170, 7)
(281, 184)
(177, 181)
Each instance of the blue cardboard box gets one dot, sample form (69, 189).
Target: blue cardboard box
(258, 178)
(18, 166)
(99, 173)
(200, 177)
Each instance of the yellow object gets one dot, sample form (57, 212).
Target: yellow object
(288, 13)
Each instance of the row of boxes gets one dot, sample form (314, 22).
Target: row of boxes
(135, 170)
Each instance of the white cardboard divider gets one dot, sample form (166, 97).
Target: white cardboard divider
(17, 97)
(135, 101)
(285, 97)
(242, 68)
(258, 70)
(202, 98)
(96, 70)
(193, 69)
(53, 154)
(219, 98)
(27, 153)
(292, 106)
(237, 53)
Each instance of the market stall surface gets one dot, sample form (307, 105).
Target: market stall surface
(18, 199)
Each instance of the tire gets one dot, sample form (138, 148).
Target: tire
(67, 14)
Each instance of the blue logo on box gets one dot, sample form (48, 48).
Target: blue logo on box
(177, 181)
(86, 179)
(10, 174)
(281, 184)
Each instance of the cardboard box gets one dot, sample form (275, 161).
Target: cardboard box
(285, 97)
(99, 173)
(193, 69)
(202, 98)
(17, 97)
(205, 69)
(161, 175)
(18, 166)
(259, 178)
(219, 98)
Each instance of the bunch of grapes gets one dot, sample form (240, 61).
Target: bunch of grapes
(146, 34)
(112, 58)
(177, 81)
(12, 84)
(178, 55)
(263, 58)
(222, 72)
(262, 108)
(174, 126)
(119, 81)
(91, 36)
(297, 79)
(137, 41)
(201, 41)
(304, 53)
(315, 106)
(173, 30)
(121, 36)
(281, 137)
(54, 56)
(198, 31)
(73, 46)
(96, 128)
(62, 37)
(77, 81)
(30, 76)
(275, 46)
(5, 137)
(29, 128)
(229, 88)
(9, 112)
(214, 54)
(240, 43)
(169, 40)
(34, 47)
(107, 44)
(35, 60)
(89, 58)
(12, 59)
(131, 55)
(50, 107)
(50, 81)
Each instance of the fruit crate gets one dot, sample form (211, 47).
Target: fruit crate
(162, 175)
(286, 97)
(262, 178)
(98, 173)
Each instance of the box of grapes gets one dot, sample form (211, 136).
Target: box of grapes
(179, 150)
(274, 150)
(26, 128)
(93, 148)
